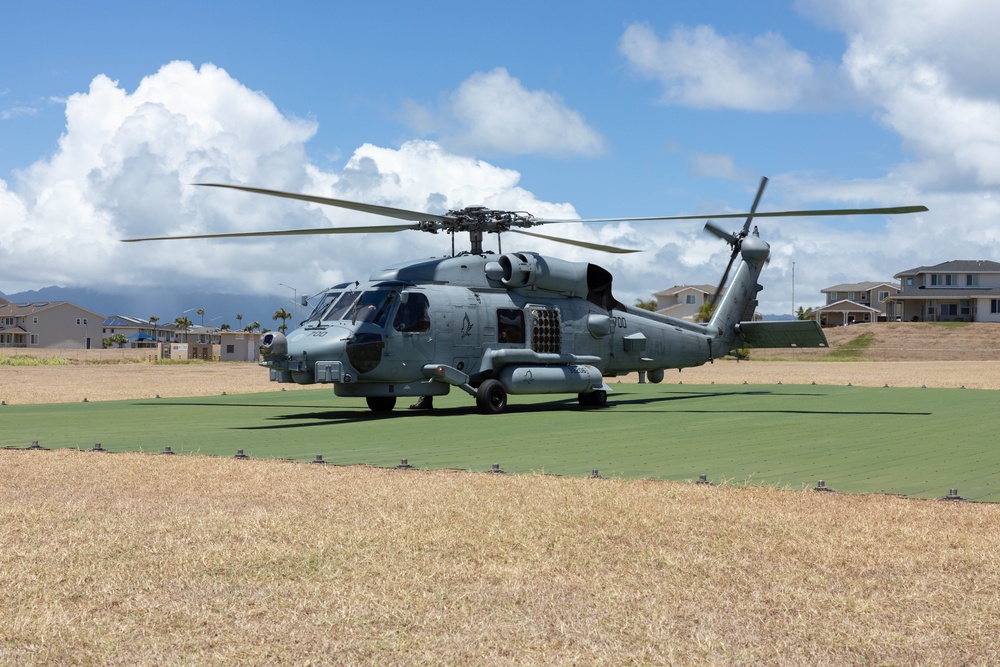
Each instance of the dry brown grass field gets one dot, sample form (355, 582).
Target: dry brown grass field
(140, 559)
(144, 559)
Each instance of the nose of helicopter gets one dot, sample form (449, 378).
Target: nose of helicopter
(302, 348)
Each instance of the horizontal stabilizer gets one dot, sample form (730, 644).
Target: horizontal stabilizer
(782, 333)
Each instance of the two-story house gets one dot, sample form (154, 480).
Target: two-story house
(961, 290)
(683, 301)
(58, 324)
(855, 302)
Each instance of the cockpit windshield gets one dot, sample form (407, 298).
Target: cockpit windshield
(323, 304)
(361, 306)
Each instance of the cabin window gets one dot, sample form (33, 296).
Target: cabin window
(972, 280)
(413, 314)
(510, 325)
(690, 299)
(883, 295)
(230, 349)
(964, 307)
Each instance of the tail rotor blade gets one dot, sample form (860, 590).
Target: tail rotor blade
(713, 228)
(753, 209)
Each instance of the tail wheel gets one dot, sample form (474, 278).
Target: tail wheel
(381, 403)
(593, 399)
(491, 397)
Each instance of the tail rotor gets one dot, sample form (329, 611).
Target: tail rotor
(734, 239)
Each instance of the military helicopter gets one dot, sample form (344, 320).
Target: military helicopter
(496, 324)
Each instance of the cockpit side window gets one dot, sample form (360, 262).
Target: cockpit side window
(510, 325)
(371, 307)
(413, 315)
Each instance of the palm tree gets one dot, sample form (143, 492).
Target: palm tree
(183, 323)
(281, 314)
(153, 319)
(255, 326)
(239, 320)
(224, 327)
(201, 311)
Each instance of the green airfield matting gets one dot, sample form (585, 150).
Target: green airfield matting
(908, 441)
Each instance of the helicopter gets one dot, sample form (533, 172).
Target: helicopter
(500, 324)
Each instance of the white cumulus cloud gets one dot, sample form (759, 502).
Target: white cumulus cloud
(125, 166)
(493, 113)
(698, 67)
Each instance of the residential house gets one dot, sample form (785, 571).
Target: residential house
(138, 332)
(956, 291)
(51, 324)
(855, 302)
(683, 301)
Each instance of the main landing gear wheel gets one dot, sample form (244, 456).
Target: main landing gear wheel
(491, 397)
(593, 399)
(381, 403)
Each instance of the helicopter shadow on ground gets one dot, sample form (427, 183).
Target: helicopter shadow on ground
(339, 416)
(647, 400)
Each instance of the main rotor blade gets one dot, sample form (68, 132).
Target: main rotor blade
(891, 210)
(382, 229)
(582, 244)
(399, 213)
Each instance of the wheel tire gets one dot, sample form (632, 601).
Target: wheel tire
(381, 403)
(593, 399)
(491, 397)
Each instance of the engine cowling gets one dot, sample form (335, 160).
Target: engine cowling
(528, 269)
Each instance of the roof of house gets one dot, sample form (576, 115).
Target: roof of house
(865, 286)
(846, 305)
(125, 321)
(31, 307)
(955, 266)
(707, 289)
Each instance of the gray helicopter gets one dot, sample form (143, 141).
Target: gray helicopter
(494, 324)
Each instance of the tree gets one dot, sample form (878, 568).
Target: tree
(201, 311)
(183, 324)
(805, 313)
(224, 327)
(118, 339)
(255, 326)
(646, 304)
(281, 314)
(705, 312)
(239, 320)
(153, 319)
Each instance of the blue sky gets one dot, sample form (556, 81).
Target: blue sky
(109, 111)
